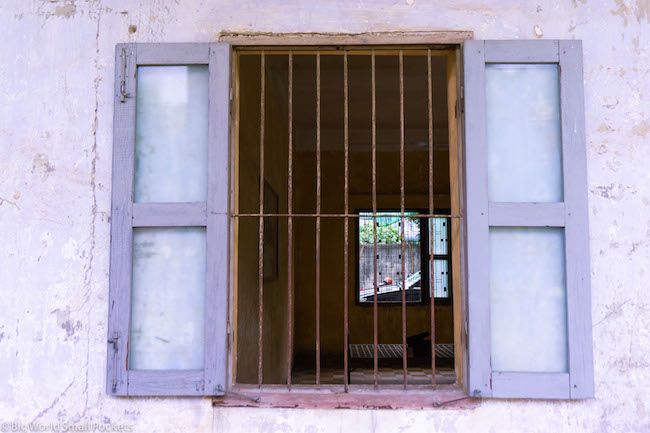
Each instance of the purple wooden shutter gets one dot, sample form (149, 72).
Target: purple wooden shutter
(210, 214)
(569, 215)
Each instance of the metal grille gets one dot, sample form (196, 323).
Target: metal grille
(373, 215)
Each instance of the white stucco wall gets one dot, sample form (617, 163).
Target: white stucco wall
(56, 108)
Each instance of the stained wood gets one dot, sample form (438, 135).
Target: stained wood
(358, 397)
(379, 38)
(454, 200)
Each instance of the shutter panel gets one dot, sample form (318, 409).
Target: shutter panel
(168, 286)
(529, 307)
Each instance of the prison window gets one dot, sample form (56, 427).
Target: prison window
(333, 137)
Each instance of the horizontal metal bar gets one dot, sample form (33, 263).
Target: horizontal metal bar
(169, 214)
(173, 54)
(336, 51)
(527, 214)
(336, 215)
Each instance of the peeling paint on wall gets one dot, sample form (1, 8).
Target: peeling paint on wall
(56, 151)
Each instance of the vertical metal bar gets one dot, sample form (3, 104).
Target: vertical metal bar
(375, 324)
(318, 180)
(401, 188)
(261, 229)
(290, 225)
(431, 224)
(346, 187)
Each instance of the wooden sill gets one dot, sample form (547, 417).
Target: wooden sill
(358, 397)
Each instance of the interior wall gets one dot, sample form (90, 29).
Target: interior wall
(360, 187)
(275, 173)
(332, 246)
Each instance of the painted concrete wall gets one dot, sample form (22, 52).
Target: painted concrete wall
(55, 156)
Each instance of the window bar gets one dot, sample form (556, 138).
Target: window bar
(375, 324)
(431, 224)
(290, 224)
(318, 181)
(346, 221)
(401, 174)
(260, 257)
(325, 215)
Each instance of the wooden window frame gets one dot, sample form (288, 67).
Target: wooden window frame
(360, 396)
(126, 215)
(571, 214)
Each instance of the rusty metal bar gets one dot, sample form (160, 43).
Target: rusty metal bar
(431, 224)
(375, 324)
(290, 225)
(261, 230)
(324, 215)
(401, 192)
(318, 192)
(346, 188)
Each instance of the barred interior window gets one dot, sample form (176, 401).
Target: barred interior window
(330, 142)
(390, 279)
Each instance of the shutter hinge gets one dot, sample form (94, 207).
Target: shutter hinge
(460, 103)
(115, 340)
(123, 92)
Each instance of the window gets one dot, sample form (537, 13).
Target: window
(517, 226)
(389, 257)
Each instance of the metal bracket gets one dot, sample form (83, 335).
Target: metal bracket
(123, 92)
(115, 342)
(460, 103)
(476, 394)
(221, 390)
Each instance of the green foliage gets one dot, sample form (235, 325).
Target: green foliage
(386, 233)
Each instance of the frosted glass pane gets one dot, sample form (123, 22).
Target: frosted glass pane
(528, 299)
(523, 133)
(439, 233)
(171, 134)
(168, 298)
(440, 279)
